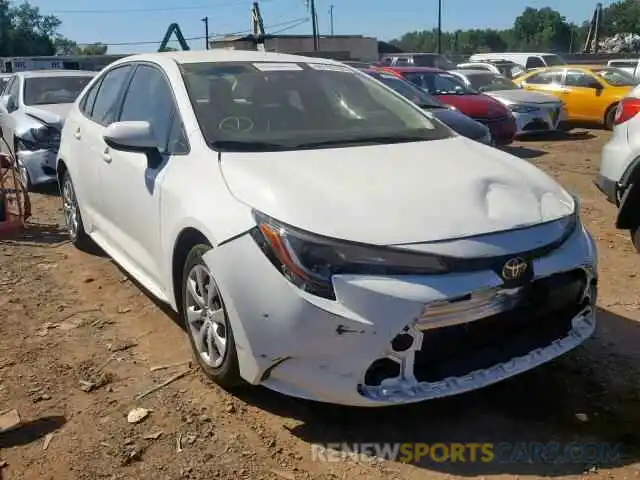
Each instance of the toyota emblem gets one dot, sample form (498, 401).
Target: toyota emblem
(514, 269)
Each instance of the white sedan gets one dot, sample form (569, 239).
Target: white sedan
(318, 233)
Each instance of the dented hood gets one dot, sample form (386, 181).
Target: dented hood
(53, 115)
(397, 194)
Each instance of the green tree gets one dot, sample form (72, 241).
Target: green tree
(94, 49)
(541, 29)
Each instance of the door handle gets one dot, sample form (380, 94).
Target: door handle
(106, 156)
(77, 135)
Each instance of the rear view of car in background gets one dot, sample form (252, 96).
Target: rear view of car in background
(619, 175)
(448, 115)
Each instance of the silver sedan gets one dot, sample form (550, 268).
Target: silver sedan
(534, 112)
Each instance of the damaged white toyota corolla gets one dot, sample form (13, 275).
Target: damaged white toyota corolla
(318, 233)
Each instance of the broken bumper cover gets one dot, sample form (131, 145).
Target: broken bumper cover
(542, 119)
(41, 164)
(332, 351)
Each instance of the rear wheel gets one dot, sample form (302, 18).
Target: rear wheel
(610, 117)
(72, 216)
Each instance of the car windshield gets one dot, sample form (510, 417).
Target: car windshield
(407, 90)
(509, 69)
(553, 60)
(436, 83)
(261, 106)
(490, 82)
(616, 77)
(54, 89)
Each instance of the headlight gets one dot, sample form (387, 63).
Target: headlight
(522, 108)
(309, 261)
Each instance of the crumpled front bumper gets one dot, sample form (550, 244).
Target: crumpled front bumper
(41, 164)
(325, 350)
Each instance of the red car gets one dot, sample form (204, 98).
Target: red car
(450, 90)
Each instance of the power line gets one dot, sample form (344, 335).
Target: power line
(288, 25)
(152, 9)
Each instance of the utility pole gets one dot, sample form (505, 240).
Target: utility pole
(439, 26)
(331, 18)
(206, 32)
(314, 25)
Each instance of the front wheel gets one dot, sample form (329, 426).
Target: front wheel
(72, 216)
(205, 317)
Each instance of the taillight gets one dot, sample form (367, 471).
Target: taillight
(627, 109)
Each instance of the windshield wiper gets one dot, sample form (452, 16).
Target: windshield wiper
(385, 139)
(247, 146)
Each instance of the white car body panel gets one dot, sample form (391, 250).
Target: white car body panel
(488, 189)
(619, 154)
(453, 197)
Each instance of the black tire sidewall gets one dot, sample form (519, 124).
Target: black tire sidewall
(609, 118)
(226, 375)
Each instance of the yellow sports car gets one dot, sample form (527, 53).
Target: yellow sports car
(590, 92)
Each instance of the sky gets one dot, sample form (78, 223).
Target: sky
(121, 22)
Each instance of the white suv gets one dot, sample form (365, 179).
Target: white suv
(620, 165)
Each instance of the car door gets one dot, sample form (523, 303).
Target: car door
(549, 81)
(99, 111)
(134, 186)
(583, 95)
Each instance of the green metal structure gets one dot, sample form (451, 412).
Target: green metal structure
(174, 28)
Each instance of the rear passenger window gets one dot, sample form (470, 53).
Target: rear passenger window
(545, 78)
(106, 102)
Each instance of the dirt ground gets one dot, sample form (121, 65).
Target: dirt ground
(79, 340)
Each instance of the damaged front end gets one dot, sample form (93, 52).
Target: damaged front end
(36, 150)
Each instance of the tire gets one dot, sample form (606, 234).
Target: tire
(220, 367)
(72, 215)
(635, 238)
(610, 116)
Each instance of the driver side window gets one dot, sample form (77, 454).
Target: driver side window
(150, 98)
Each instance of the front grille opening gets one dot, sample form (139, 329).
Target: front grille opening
(380, 370)
(536, 125)
(542, 316)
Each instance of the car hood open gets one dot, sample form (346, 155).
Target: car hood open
(397, 194)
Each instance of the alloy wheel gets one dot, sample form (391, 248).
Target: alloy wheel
(70, 209)
(206, 316)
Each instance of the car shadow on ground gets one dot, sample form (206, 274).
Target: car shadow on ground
(587, 398)
(37, 234)
(50, 189)
(525, 153)
(31, 431)
(559, 136)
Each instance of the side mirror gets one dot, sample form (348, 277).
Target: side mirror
(131, 137)
(135, 137)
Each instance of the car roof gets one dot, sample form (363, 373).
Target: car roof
(55, 73)
(473, 72)
(223, 55)
(416, 69)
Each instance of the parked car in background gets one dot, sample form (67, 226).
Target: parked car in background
(319, 234)
(590, 92)
(534, 112)
(4, 80)
(447, 114)
(629, 65)
(33, 109)
(433, 60)
(527, 60)
(451, 90)
(619, 173)
(505, 68)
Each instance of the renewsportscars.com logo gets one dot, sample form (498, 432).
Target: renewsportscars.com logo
(504, 452)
